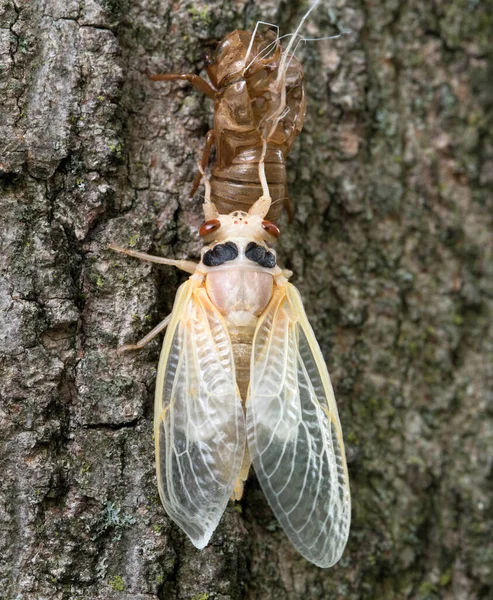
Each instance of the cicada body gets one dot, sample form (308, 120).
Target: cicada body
(259, 109)
(242, 379)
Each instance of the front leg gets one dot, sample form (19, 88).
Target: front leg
(146, 339)
(185, 265)
(198, 83)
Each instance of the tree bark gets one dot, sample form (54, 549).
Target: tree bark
(391, 247)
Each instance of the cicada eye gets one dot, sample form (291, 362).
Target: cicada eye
(271, 228)
(209, 227)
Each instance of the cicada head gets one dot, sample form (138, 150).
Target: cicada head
(229, 57)
(237, 52)
(239, 224)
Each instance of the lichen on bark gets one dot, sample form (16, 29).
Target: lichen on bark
(391, 246)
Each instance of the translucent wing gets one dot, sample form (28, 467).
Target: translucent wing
(198, 422)
(294, 434)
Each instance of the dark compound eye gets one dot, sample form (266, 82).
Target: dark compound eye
(271, 228)
(260, 255)
(220, 254)
(209, 227)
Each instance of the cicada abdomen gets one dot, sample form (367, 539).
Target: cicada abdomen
(259, 109)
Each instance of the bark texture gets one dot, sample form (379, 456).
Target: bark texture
(391, 246)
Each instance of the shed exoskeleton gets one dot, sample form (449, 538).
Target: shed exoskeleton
(259, 108)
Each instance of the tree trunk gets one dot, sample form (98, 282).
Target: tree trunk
(391, 247)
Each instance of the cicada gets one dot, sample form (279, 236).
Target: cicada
(242, 380)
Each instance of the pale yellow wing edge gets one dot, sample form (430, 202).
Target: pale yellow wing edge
(281, 437)
(182, 298)
(298, 309)
(199, 422)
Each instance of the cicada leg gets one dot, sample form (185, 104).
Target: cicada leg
(145, 340)
(185, 265)
(288, 207)
(265, 199)
(209, 142)
(198, 83)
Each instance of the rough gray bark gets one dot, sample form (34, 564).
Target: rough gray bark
(391, 247)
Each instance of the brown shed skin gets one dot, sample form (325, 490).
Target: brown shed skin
(252, 104)
(243, 101)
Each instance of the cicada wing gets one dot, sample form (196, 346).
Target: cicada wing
(293, 431)
(199, 422)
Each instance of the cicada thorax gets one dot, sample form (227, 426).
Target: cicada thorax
(259, 111)
(241, 295)
(238, 270)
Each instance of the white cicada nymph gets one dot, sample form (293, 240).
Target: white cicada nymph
(242, 381)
